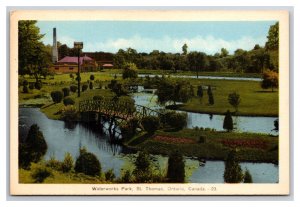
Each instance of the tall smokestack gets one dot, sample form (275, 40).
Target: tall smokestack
(54, 47)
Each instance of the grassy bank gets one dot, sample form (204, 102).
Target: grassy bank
(212, 146)
(254, 100)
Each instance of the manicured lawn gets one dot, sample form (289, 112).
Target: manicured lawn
(254, 100)
(254, 147)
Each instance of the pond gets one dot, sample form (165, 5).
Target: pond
(242, 123)
(62, 138)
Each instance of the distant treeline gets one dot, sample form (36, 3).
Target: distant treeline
(252, 61)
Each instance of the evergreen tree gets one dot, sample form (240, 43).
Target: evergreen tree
(143, 168)
(211, 100)
(233, 171)
(200, 92)
(228, 122)
(176, 172)
(248, 177)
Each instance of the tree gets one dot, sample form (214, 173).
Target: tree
(224, 52)
(197, 61)
(33, 148)
(57, 96)
(184, 49)
(130, 71)
(88, 164)
(176, 172)
(211, 100)
(92, 77)
(270, 80)
(150, 124)
(234, 100)
(273, 37)
(200, 92)
(247, 177)
(233, 172)
(67, 163)
(228, 122)
(276, 125)
(34, 57)
(143, 168)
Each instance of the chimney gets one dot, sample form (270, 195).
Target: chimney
(54, 47)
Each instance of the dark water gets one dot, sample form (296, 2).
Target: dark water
(62, 138)
(242, 123)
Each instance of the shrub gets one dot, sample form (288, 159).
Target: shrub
(109, 175)
(87, 163)
(73, 88)
(234, 100)
(66, 91)
(98, 98)
(67, 164)
(92, 77)
(38, 85)
(31, 86)
(57, 96)
(143, 168)
(72, 76)
(200, 92)
(211, 100)
(176, 120)
(129, 129)
(247, 177)
(68, 101)
(25, 83)
(233, 171)
(126, 177)
(176, 172)
(54, 164)
(33, 148)
(25, 89)
(130, 71)
(202, 139)
(40, 173)
(228, 122)
(270, 80)
(69, 113)
(91, 86)
(150, 123)
(84, 87)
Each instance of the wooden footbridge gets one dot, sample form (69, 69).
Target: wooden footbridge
(125, 110)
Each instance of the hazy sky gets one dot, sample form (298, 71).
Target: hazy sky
(110, 36)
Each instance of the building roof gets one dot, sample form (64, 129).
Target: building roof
(69, 59)
(107, 65)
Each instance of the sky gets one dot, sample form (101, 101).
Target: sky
(110, 36)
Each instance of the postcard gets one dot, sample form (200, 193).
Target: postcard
(140, 102)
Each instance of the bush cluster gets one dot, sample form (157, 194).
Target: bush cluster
(150, 124)
(87, 163)
(73, 88)
(66, 91)
(68, 101)
(57, 96)
(175, 120)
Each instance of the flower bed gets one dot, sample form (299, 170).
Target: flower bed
(174, 140)
(249, 143)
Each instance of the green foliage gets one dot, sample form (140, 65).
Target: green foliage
(247, 177)
(228, 122)
(66, 91)
(88, 164)
(175, 120)
(110, 175)
(91, 85)
(25, 89)
(40, 173)
(98, 98)
(234, 100)
(33, 148)
(25, 83)
(211, 100)
(73, 88)
(57, 96)
(200, 92)
(150, 124)
(126, 177)
(270, 80)
(31, 86)
(84, 87)
(38, 85)
(72, 76)
(176, 172)
(273, 37)
(184, 49)
(129, 129)
(54, 164)
(117, 88)
(233, 171)
(130, 71)
(143, 168)
(92, 77)
(69, 113)
(68, 162)
(68, 101)
(33, 56)
(202, 139)
(276, 125)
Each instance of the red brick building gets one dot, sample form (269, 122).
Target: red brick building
(70, 65)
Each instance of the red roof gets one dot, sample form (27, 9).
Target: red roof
(69, 59)
(107, 65)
